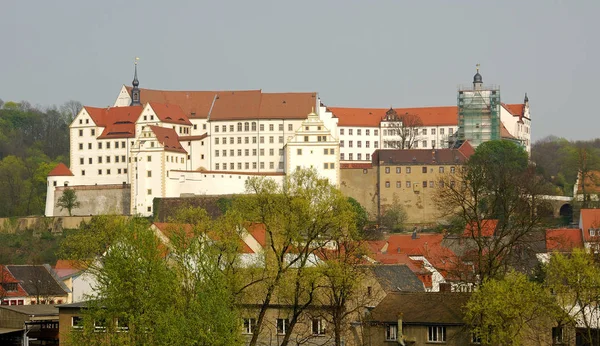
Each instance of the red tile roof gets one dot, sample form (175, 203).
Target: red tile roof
(517, 110)
(192, 138)
(563, 240)
(118, 122)
(235, 105)
(169, 113)
(504, 132)
(60, 170)
(487, 229)
(258, 231)
(7, 277)
(168, 138)
(590, 218)
(371, 117)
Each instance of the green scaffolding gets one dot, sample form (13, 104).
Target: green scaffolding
(479, 115)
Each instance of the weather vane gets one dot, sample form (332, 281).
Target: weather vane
(136, 60)
(478, 65)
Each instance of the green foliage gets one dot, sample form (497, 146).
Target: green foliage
(394, 216)
(361, 215)
(32, 142)
(68, 200)
(26, 248)
(510, 311)
(224, 204)
(167, 294)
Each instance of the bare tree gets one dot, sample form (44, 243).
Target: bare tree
(70, 109)
(402, 129)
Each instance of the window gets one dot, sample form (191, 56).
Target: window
(149, 191)
(246, 152)
(306, 138)
(249, 325)
(299, 151)
(442, 131)
(239, 140)
(342, 132)
(108, 159)
(387, 184)
(262, 139)
(262, 152)
(350, 156)
(318, 327)
(342, 156)
(391, 332)
(216, 140)
(326, 165)
(368, 156)
(387, 170)
(239, 152)
(271, 139)
(424, 132)
(350, 132)
(89, 145)
(367, 144)
(557, 335)
(217, 166)
(290, 127)
(253, 152)
(441, 169)
(280, 139)
(433, 143)
(332, 151)
(231, 152)
(99, 145)
(93, 132)
(358, 144)
(253, 126)
(326, 151)
(398, 184)
(224, 128)
(246, 140)
(262, 165)
(376, 144)
(271, 127)
(424, 169)
(408, 183)
(77, 322)
(416, 144)
(424, 184)
(350, 144)
(81, 160)
(450, 131)
(358, 132)
(108, 171)
(149, 173)
(592, 232)
(90, 160)
(80, 133)
(107, 145)
(433, 131)
(239, 127)
(376, 132)
(452, 169)
(341, 144)
(253, 165)
(431, 184)
(398, 170)
(271, 152)
(436, 334)
(271, 165)
(123, 144)
(359, 156)
(217, 153)
(424, 144)
(407, 170)
(99, 159)
(282, 325)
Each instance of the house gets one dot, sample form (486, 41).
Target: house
(77, 280)
(589, 224)
(31, 285)
(412, 177)
(29, 325)
(587, 189)
(418, 318)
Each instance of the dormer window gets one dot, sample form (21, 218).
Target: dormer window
(592, 232)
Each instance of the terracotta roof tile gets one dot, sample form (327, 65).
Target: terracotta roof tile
(234, 105)
(371, 117)
(168, 138)
(488, 229)
(590, 218)
(169, 113)
(118, 122)
(192, 138)
(563, 240)
(258, 231)
(60, 170)
(517, 110)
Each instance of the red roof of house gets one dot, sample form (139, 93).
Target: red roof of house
(504, 132)
(487, 229)
(517, 110)
(60, 170)
(589, 218)
(371, 117)
(563, 240)
(235, 105)
(169, 113)
(258, 231)
(118, 122)
(168, 230)
(168, 138)
(7, 277)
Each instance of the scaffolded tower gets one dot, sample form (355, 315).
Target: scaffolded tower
(478, 112)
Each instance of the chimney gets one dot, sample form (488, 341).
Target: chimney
(414, 234)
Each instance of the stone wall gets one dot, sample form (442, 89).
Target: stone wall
(361, 184)
(97, 200)
(41, 223)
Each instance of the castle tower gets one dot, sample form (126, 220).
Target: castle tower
(135, 91)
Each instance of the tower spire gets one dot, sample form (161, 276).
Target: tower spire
(135, 91)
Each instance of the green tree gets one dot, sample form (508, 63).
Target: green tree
(361, 215)
(300, 217)
(68, 200)
(163, 295)
(575, 281)
(511, 311)
(394, 216)
(497, 183)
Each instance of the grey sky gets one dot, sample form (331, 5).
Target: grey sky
(354, 53)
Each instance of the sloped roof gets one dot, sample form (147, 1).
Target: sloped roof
(7, 277)
(118, 122)
(504, 132)
(60, 170)
(169, 113)
(487, 229)
(234, 105)
(563, 240)
(168, 138)
(419, 156)
(258, 231)
(589, 218)
(517, 109)
(371, 117)
(36, 279)
(397, 278)
(422, 308)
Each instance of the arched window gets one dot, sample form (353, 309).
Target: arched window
(239, 127)
(246, 126)
(253, 126)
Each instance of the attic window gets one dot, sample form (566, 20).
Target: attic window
(593, 232)
(9, 286)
